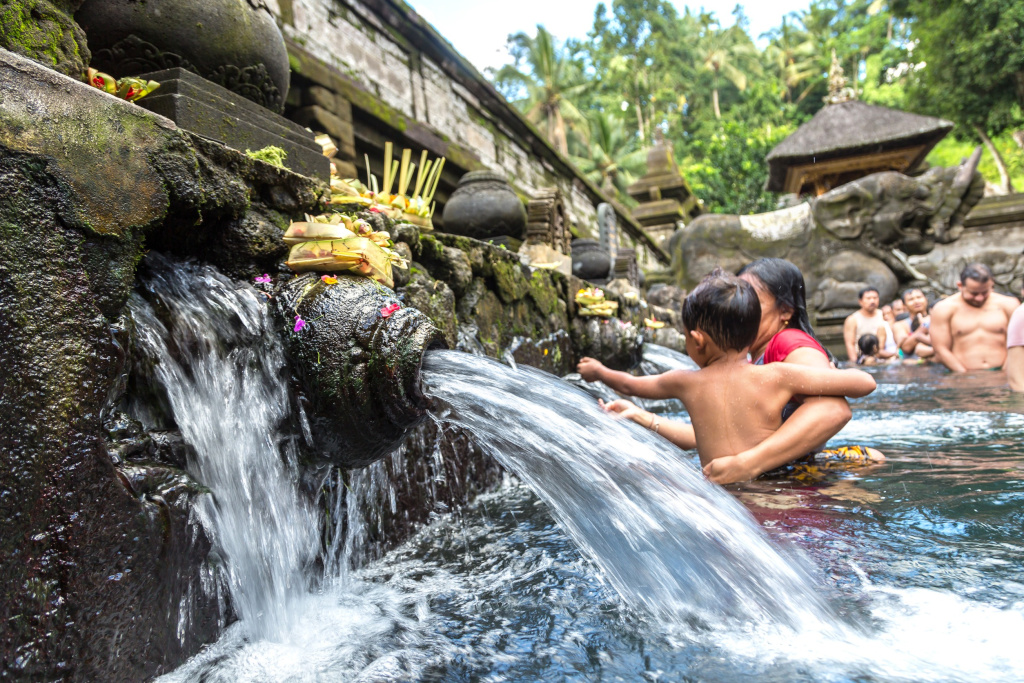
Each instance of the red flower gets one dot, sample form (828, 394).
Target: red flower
(389, 309)
(374, 209)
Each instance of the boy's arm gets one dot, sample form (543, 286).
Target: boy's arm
(665, 385)
(800, 379)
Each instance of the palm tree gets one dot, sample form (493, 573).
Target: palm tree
(794, 56)
(610, 156)
(551, 81)
(726, 53)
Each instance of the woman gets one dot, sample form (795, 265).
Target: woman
(784, 335)
(912, 335)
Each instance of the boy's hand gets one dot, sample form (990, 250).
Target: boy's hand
(590, 369)
(728, 470)
(627, 410)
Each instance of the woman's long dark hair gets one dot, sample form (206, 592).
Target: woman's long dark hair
(785, 282)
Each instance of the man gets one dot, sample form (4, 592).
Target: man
(969, 328)
(1015, 348)
(868, 320)
(899, 310)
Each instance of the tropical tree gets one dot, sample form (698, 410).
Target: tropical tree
(727, 54)
(544, 82)
(974, 71)
(609, 155)
(793, 55)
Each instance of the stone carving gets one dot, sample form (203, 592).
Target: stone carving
(546, 223)
(236, 45)
(358, 368)
(858, 234)
(136, 56)
(608, 227)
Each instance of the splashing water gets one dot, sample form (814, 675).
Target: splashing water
(219, 363)
(666, 539)
(659, 359)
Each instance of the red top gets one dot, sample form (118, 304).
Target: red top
(786, 342)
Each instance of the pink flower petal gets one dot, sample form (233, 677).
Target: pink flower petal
(299, 324)
(389, 309)
(263, 279)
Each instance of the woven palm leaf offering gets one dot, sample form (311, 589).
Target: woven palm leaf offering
(130, 89)
(411, 202)
(591, 302)
(339, 242)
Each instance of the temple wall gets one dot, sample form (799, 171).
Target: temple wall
(350, 37)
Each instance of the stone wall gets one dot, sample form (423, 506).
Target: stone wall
(366, 72)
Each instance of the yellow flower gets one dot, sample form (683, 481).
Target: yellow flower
(329, 279)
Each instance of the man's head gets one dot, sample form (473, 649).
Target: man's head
(723, 310)
(916, 301)
(898, 307)
(868, 298)
(976, 284)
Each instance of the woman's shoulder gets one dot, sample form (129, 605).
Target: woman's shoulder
(786, 342)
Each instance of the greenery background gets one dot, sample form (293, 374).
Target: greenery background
(724, 102)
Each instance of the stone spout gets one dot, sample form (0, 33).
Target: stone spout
(356, 355)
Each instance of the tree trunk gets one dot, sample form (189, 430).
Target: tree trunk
(639, 118)
(1018, 137)
(1004, 173)
(714, 102)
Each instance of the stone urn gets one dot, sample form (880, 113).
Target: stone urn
(484, 206)
(234, 43)
(590, 261)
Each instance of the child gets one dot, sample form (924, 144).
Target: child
(868, 345)
(733, 404)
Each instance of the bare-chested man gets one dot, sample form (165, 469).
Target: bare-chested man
(969, 329)
(868, 320)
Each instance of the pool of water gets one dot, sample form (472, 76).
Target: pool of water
(921, 557)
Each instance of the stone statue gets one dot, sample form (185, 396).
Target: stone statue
(856, 235)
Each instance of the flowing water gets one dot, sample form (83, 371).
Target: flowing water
(219, 365)
(608, 557)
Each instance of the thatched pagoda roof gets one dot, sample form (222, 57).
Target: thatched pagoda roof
(854, 129)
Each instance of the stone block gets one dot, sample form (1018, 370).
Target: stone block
(211, 111)
(319, 119)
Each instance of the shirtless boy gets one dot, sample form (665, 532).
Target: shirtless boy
(968, 329)
(733, 404)
(868, 320)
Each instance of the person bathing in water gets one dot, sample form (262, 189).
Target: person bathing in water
(784, 336)
(734, 405)
(968, 329)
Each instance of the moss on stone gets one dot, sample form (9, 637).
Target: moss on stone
(41, 31)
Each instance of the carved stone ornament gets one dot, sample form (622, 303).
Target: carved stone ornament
(234, 44)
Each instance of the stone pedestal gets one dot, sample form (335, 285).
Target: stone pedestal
(205, 108)
(666, 202)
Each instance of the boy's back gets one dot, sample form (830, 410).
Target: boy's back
(732, 408)
(735, 405)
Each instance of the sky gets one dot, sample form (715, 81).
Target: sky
(478, 29)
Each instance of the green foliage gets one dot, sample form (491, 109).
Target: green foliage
(544, 82)
(270, 154)
(645, 67)
(727, 169)
(952, 150)
(975, 61)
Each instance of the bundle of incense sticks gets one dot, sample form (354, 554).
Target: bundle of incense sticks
(427, 178)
